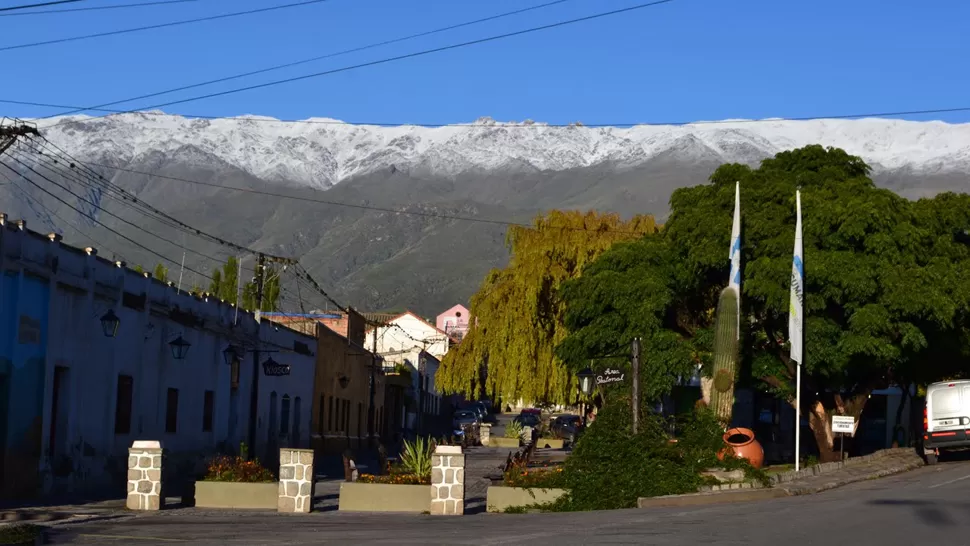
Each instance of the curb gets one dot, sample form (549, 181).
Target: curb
(720, 497)
(795, 490)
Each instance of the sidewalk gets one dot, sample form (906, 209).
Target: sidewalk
(831, 475)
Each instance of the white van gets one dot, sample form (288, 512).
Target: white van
(946, 418)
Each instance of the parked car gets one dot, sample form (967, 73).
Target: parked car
(464, 417)
(567, 427)
(946, 418)
(528, 419)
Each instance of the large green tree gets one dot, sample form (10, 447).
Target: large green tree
(886, 294)
(518, 314)
(225, 286)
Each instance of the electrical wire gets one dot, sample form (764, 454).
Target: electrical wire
(97, 8)
(411, 55)
(125, 237)
(100, 107)
(161, 25)
(40, 5)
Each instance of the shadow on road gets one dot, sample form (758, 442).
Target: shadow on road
(929, 512)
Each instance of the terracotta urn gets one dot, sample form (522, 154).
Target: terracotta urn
(744, 445)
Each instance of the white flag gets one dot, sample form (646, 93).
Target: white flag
(796, 310)
(735, 255)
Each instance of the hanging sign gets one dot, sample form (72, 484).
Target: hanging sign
(275, 369)
(610, 375)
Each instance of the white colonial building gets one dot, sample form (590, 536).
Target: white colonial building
(94, 355)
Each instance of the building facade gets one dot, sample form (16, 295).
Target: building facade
(454, 322)
(94, 355)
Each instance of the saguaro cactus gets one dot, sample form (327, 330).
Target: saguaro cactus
(725, 354)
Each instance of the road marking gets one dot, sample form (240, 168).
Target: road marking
(967, 477)
(131, 537)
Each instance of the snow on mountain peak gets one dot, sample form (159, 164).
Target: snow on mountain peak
(320, 152)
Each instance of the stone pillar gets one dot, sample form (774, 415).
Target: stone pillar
(145, 475)
(485, 432)
(296, 480)
(448, 481)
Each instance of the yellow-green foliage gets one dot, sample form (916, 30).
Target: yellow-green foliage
(518, 315)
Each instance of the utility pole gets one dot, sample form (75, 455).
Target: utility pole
(635, 373)
(254, 394)
(373, 376)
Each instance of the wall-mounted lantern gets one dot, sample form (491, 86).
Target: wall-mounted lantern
(110, 323)
(180, 348)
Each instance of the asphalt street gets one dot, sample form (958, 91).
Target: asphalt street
(930, 505)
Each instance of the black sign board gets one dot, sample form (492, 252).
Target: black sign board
(609, 375)
(275, 369)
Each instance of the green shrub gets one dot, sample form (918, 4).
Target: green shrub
(611, 468)
(19, 533)
(513, 429)
(416, 457)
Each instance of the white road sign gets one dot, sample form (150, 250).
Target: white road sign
(843, 423)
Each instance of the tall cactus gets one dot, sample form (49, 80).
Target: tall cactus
(725, 354)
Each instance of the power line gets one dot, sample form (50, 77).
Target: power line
(412, 55)
(43, 4)
(313, 59)
(125, 237)
(488, 125)
(97, 8)
(161, 25)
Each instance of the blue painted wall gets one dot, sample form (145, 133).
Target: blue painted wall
(23, 345)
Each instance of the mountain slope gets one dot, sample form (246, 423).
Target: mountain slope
(374, 259)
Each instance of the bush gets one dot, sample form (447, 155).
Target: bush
(610, 468)
(416, 457)
(395, 479)
(19, 533)
(547, 478)
(237, 469)
(513, 430)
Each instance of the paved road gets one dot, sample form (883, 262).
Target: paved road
(927, 506)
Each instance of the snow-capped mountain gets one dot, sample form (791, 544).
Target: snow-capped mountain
(322, 152)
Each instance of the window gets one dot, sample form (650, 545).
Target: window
(172, 411)
(234, 374)
(360, 417)
(285, 415)
(207, 406)
(320, 416)
(346, 415)
(123, 405)
(330, 416)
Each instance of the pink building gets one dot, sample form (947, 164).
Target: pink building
(454, 321)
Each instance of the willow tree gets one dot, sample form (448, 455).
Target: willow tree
(519, 314)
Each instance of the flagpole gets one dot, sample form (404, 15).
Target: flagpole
(796, 323)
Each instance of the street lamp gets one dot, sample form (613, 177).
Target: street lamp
(180, 348)
(110, 323)
(586, 377)
(232, 354)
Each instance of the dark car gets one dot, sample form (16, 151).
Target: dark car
(463, 418)
(528, 419)
(567, 426)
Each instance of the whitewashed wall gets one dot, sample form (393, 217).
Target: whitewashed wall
(82, 287)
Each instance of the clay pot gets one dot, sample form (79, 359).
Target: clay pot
(744, 445)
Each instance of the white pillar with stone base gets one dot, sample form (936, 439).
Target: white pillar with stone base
(145, 475)
(485, 433)
(448, 481)
(296, 481)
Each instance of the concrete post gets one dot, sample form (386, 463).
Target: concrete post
(145, 475)
(296, 481)
(448, 481)
(485, 432)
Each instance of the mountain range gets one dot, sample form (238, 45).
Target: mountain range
(378, 214)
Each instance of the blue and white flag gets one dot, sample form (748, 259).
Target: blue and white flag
(735, 256)
(796, 310)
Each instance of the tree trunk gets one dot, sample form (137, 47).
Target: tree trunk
(820, 422)
(707, 384)
(899, 416)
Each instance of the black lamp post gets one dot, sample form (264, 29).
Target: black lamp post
(110, 323)
(180, 348)
(586, 377)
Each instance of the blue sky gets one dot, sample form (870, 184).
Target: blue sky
(687, 60)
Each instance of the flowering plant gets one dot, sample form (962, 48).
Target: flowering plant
(237, 469)
(395, 479)
(543, 476)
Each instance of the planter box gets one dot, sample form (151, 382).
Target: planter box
(498, 498)
(260, 496)
(551, 443)
(382, 497)
(503, 442)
